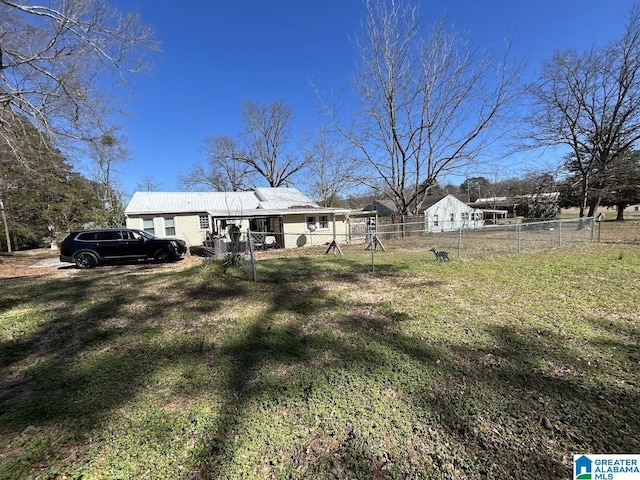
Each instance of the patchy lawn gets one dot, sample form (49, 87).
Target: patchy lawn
(492, 368)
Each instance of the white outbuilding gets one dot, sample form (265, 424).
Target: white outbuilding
(444, 213)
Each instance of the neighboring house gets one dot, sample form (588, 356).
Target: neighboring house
(284, 214)
(446, 213)
(384, 208)
(501, 208)
(507, 205)
(440, 213)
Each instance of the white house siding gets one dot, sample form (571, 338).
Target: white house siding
(188, 229)
(138, 222)
(296, 229)
(447, 215)
(134, 222)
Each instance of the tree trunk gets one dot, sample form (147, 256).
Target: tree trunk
(584, 184)
(620, 208)
(593, 206)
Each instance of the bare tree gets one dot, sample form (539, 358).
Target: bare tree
(329, 168)
(148, 184)
(107, 152)
(222, 172)
(264, 139)
(590, 102)
(426, 104)
(260, 152)
(60, 62)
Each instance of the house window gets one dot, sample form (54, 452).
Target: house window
(311, 224)
(465, 216)
(453, 217)
(204, 221)
(147, 226)
(169, 226)
(436, 220)
(324, 222)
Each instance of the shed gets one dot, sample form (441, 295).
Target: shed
(446, 213)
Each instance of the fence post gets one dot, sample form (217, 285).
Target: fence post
(372, 247)
(459, 242)
(560, 233)
(518, 238)
(252, 255)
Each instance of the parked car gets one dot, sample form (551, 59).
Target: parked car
(88, 248)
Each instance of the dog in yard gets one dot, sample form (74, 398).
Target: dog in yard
(441, 255)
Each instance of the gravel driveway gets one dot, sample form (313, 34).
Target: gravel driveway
(49, 263)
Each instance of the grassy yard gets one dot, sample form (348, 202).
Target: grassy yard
(499, 368)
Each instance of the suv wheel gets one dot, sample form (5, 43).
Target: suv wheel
(86, 260)
(162, 255)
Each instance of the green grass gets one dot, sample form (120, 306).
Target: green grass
(323, 370)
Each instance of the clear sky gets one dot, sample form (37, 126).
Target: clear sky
(216, 54)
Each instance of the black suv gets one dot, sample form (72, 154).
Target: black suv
(88, 248)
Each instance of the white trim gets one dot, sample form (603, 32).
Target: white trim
(200, 217)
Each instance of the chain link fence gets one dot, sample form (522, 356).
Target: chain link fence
(618, 232)
(368, 248)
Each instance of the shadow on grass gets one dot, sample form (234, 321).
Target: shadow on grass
(342, 268)
(478, 411)
(89, 351)
(369, 399)
(489, 402)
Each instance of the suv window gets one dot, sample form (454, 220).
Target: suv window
(108, 235)
(87, 236)
(93, 236)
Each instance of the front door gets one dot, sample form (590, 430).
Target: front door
(276, 225)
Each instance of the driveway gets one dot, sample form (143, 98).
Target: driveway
(44, 261)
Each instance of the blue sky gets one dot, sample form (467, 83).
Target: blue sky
(217, 54)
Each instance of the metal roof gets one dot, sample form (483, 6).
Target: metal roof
(261, 201)
(279, 198)
(190, 202)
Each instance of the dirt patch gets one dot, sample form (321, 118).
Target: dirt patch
(41, 262)
(21, 264)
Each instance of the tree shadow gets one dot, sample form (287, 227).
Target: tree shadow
(486, 394)
(87, 358)
(471, 411)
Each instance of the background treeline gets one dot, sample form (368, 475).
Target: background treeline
(42, 195)
(424, 106)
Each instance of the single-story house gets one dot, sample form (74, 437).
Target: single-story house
(285, 215)
(501, 208)
(446, 213)
(498, 204)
